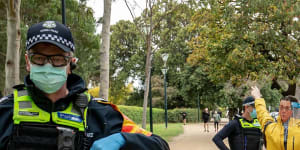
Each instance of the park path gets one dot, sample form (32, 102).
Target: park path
(194, 138)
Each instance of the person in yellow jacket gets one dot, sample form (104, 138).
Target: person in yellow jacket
(280, 135)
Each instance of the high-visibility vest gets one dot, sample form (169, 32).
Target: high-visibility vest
(25, 110)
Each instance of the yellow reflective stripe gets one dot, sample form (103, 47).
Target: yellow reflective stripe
(85, 111)
(43, 116)
(32, 114)
(246, 124)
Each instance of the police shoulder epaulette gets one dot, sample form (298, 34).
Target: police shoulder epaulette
(99, 99)
(237, 116)
(5, 98)
(19, 87)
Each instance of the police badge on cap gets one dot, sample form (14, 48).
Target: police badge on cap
(49, 24)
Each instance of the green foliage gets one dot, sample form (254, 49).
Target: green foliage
(175, 116)
(240, 40)
(126, 55)
(135, 98)
(218, 46)
(194, 83)
(234, 96)
(128, 48)
(271, 96)
(79, 18)
(135, 113)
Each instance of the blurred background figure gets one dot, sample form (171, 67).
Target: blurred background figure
(183, 114)
(217, 119)
(205, 117)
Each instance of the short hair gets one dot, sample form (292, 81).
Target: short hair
(289, 98)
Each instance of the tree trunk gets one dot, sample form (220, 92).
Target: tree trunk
(291, 89)
(104, 51)
(12, 62)
(147, 70)
(298, 91)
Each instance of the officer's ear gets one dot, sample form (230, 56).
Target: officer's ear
(72, 65)
(27, 62)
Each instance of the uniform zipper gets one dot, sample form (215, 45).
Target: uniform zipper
(293, 142)
(52, 110)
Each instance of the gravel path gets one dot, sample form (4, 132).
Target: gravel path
(194, 138)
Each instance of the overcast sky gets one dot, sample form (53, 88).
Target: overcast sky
(119, 10)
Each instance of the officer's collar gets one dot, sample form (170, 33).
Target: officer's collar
(241, 117)
(250, 121)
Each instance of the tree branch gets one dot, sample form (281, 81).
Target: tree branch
(133, 18)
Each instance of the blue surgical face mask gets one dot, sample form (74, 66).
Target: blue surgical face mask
(253, 113)
(48, 78)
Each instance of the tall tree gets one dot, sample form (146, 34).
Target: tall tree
(12, 62)
(148, 61)
(104, 51)
(3, 42)
(147, 24)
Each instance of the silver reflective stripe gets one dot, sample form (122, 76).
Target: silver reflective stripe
(22, 93)
(99, 99)
(3, 98)
(26, 113)
(250, 103)
(25, 104)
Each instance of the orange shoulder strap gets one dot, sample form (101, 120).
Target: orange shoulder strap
(128, 125)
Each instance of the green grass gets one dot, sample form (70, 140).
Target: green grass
(174, 129)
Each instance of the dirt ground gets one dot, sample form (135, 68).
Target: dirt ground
(194, 138)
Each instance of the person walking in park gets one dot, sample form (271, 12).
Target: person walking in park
(283, 134)
(184, 114)
(217, 119)
(53, 111)
(243, 132)
(205, 117)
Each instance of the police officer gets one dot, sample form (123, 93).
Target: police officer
(243, 132)
(52, 110)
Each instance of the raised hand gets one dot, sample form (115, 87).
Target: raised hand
(255, 92)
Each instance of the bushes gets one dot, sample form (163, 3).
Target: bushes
(175, 116)
(135, 113)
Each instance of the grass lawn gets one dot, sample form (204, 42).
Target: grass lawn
(173, 130)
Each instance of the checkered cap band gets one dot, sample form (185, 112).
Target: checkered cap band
(51, 37)
(51, 32)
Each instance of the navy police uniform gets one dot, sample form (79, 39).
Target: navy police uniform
(242, 135)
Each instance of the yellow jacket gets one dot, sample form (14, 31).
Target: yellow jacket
(275, 131)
